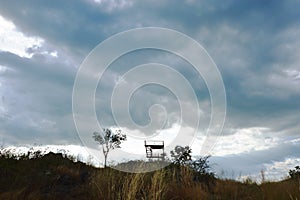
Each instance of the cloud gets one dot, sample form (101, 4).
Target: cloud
(36, 95)
(114, 5)
(281, 168)
(16, 42)
(250, 163)
(255, 44)
(246, 140)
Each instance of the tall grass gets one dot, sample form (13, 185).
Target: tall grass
(55, 177)
(112, 184)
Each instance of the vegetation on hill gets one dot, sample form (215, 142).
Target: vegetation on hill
(54, 176)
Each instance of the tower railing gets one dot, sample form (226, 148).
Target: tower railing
(155, 149)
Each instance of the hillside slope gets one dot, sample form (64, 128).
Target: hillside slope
(55, 177)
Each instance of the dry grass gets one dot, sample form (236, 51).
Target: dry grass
(54, 177)
(288, 189)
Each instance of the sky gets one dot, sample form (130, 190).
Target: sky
(254, 44)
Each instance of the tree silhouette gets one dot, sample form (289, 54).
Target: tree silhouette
(295, 173)
(109, 140)
(181, 155)
(200, 166)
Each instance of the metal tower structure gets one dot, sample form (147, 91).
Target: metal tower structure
(155, 149)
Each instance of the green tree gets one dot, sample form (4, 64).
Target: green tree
(109, 140)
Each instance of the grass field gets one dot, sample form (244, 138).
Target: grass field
(55, 177)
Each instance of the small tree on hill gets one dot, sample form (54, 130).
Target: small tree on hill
(202, 169)
(109, 140)
(295, 173)
(181, 155)
(199, 167)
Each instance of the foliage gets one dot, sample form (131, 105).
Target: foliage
(295, 173)
(109, 140)
(202, 170)
(201, 165)
(181, 155)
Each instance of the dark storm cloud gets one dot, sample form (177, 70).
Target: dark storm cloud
(37, 95)
(255, 44)
(78, 26)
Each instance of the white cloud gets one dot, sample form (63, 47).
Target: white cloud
(42, 124)
(293, 74)
(3, 69)
(279, 169)
(135, 144)
(245, 140)
(294, 141)
(111, 5)
(54, 54)
(16, 42)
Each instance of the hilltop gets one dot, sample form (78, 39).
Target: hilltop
(53, 176)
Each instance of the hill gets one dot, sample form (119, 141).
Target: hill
(53, 176)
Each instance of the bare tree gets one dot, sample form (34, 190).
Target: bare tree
(109, 140)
